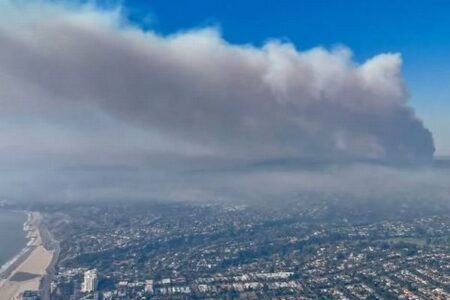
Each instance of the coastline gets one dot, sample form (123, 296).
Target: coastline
(35, 259)
(9, 266)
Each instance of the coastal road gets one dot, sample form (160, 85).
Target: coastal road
(51, 244)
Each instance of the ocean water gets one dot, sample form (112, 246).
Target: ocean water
(12, 237)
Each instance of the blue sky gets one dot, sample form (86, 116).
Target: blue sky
(418, 29)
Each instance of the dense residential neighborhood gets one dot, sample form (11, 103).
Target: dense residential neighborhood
(316, 248)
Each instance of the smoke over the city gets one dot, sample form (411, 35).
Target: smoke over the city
(80, 86)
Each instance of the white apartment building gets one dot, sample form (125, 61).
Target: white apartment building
(90, 281)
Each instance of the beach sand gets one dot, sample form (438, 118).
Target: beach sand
(34, 264)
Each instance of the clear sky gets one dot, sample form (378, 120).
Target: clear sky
(418, 29)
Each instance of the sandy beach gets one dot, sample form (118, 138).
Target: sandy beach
(30, 268)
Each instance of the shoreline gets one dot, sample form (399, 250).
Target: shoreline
(8, 267)
(36, 258)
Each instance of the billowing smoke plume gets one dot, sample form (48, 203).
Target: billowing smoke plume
(235, 101)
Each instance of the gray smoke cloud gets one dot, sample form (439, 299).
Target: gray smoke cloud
(93, 107)
(233, 100)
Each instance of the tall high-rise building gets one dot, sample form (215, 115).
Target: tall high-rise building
(90, 281)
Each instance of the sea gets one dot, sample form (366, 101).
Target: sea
(12, 236)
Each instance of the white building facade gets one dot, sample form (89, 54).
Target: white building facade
(90, 281)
